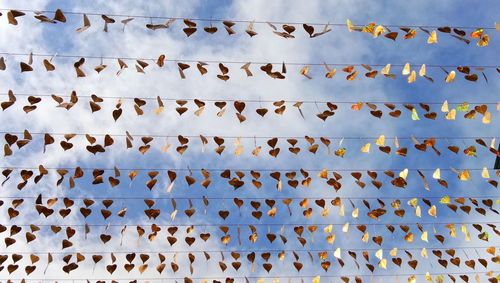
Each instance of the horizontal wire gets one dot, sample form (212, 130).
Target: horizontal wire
(251, 137)
(236, 62)
(256, 101)
(244, 251)
(253, 198)
(248, 224)
(234, 20)
(245, 170)
(266, 276)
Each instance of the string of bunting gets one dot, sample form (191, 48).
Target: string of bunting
(184, 143)
(357, 278)
(468, 72)
(181, 106)
(286, 30)
(235, 178)
(254, 206)
(142, 261)
(227, 100)
(226, 234)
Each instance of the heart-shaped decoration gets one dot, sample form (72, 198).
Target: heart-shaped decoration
(472, 77)
(130, 257)
(463, 69)
(171, 240)
(189, 212)
(470, 263)
(223, 214)
(481, 109)
(10, 139)
(255, 204)
(29, 269)
(397, 261)
(189, 31)
(210, 30)
(257, 214)
(12, 267)
(182, 149)
(15, 230)
(378, 240)
(129, 266)
(272, 142)
(220, 104)
(267, 267)
(238, 202)
(377, 113)
(413, 264)
(402, 151)
(443, 262)
(12, 212)
(274, 152)
(293, 183)
(105, 238)
(66, 244)
(325, 114)
(455, 261)
(395, 113)
(190, 240)
(205, 236)
(240, 106)
(298, 230)
(385, 149)
(431, 115)
(116, 114)
(421, 147)
(261, 111)
(289, 29)
(111, 268)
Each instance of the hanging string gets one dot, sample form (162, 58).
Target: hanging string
(254, 224)
(235, 62)
(258, 101)
(209, 20)
(244, 170)
(252, 137)
(244, 251)
(252, 198)
(255, 277)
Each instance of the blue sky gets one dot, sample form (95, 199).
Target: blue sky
(338, 46)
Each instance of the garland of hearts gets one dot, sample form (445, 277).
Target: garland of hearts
(358, 278)
(236, 180)
(253, 207)
(240, 236)
(68, 143)
(285, 31)
(471, 111)
(144, 260)
(407, 72)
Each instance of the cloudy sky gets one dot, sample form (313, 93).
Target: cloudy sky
(347, 129)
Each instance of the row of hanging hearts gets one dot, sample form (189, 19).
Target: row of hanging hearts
(94, 147)
(254, 235)
(351, 71)
(331, 178)
(235, 262)
(285, 31)
(190, 209)
(239, 106)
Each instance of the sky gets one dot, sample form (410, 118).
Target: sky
(347, 129)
